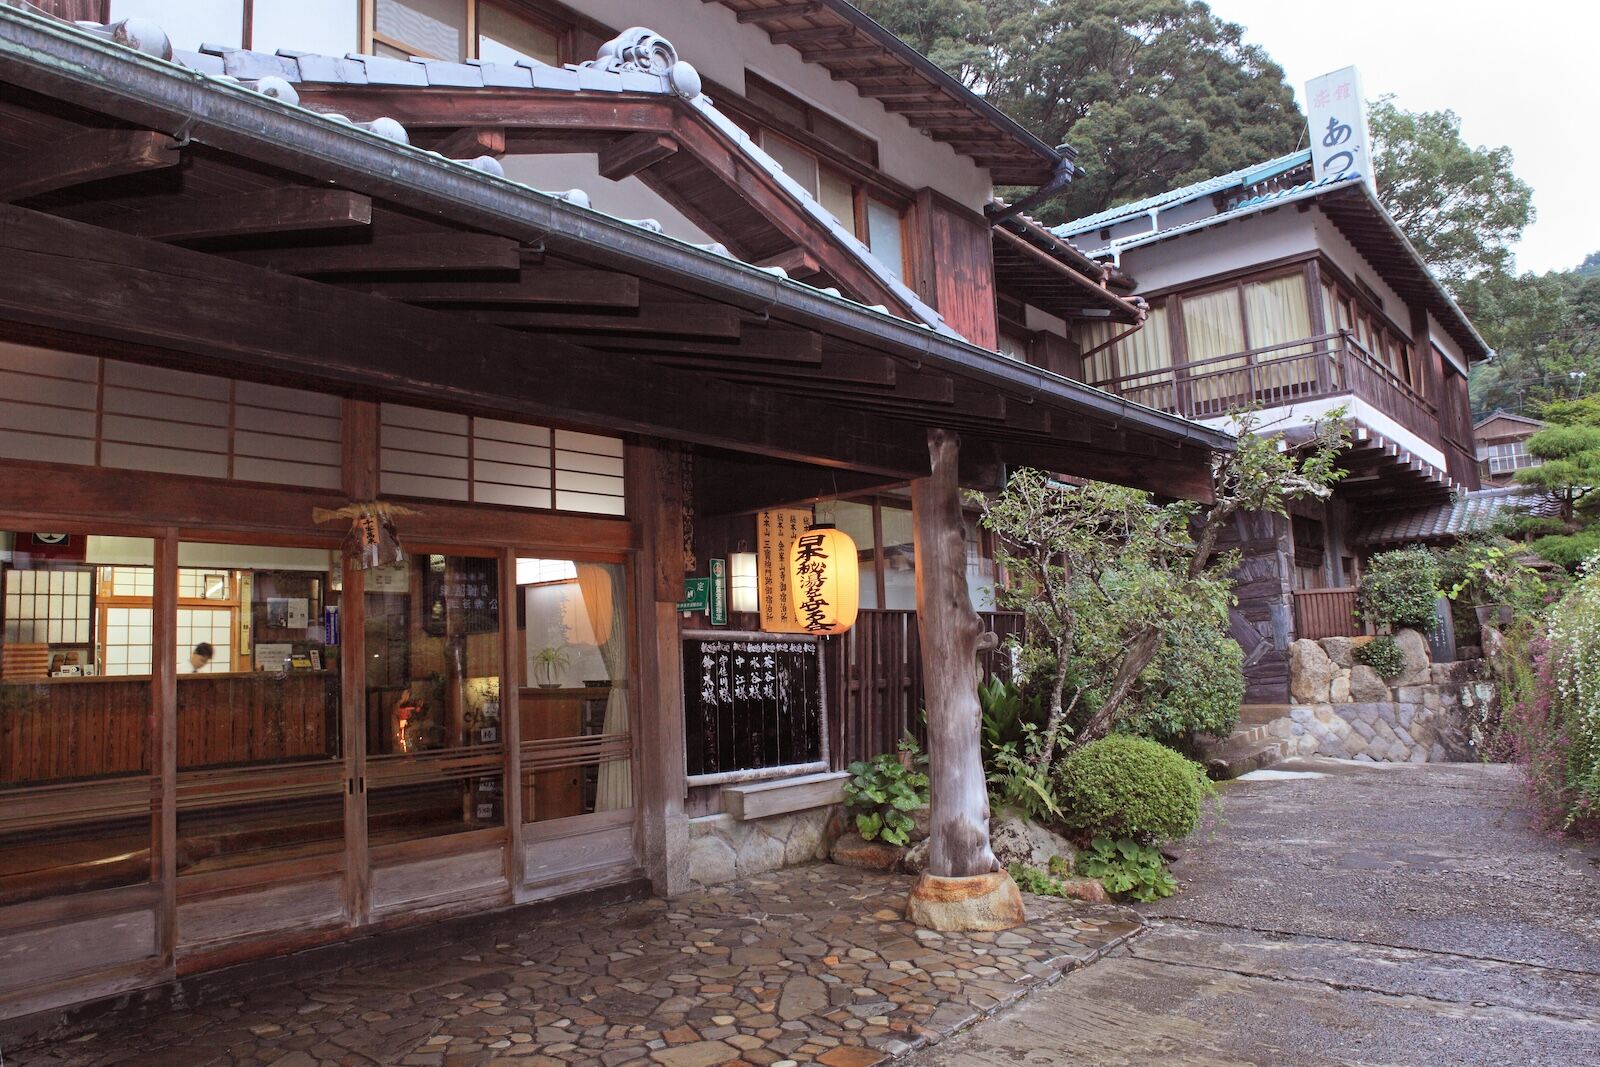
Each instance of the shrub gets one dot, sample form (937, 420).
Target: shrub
(1127, 787)
(1195, 685)
(1383, 656)
(883, 792)
(1127, 869)
(1400, 588)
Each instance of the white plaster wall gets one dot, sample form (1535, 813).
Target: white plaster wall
(1353, 263)
(1041, 321)
(1447, 344)
(306, 26)
(1232, 246)
(189, 24)
(1291, 416)
(707, 35)
(627, 199)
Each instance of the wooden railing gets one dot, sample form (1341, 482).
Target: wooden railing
(1320, 613)
(1328, 365)
(874, 679)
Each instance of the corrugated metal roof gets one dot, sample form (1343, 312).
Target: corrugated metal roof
(1467, 513)
(1257, 172)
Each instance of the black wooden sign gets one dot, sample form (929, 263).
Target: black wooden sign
(751, 701)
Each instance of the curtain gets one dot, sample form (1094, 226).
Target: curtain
(1146, 352)
(1278, 313)
(1212, 328)
(602, 599)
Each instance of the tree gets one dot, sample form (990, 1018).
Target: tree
(1462, 207)
(1153, 94)
(1104, 576)
(1546, 331)
(1570, 472)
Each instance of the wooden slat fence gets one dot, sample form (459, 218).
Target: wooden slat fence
(1320, 613)
(874, 678)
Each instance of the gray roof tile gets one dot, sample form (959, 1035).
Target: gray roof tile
(455, 75)
(381, 70)
(504, 75)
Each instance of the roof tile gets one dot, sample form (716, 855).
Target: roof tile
(381, 70)
(504, 75)
(453, 75)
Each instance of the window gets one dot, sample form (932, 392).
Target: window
(1508, 457)
(464, 29)
(885, 235)
(434, 741)
(574, 702)
(790, 110)
(63, 720)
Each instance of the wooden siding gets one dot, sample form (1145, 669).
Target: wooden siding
(1320, 613)
(953, 267)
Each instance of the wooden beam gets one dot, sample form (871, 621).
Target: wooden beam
(205, 312)
(634, 153)
(834, 369)
(782, 11)
(470, 142)
(922, 107)
(86, 157)
(556, 286)
(841, 55)
(755, 344)
(413, 252)
(796, 262)
(285, 210)
(674, 320)
(812, 35)
(895, 89)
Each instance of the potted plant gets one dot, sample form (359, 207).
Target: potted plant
(548, 663)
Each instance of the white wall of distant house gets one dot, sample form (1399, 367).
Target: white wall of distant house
(707, 35)
(627, 199)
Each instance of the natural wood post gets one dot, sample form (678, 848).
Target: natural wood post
(961, 889)
(950, 631)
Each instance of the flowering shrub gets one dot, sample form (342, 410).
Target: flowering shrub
(1553, 719)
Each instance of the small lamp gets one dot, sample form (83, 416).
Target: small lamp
(742, 595)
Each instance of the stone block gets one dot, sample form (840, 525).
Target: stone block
(710, 826)
(1339, 650)
(852, 850)
(1331, 746)
(1323, 712)
(1431, 699)
(1366, 685)
(1283, 727)
(805, 837)
(1300, 714)
(1295, 730)
(1418, 667)
(759, 853)
(1405, 713)
(1384, 730)
(1418, 755)
(1366, 758)
(1339, 688)
(1408, 694)
(1015, 839)
(711, 860)
(1364, 729)
(1436, 754)
(1354, 745)
(1310, 672)
(1404, 735)
(1386, 713)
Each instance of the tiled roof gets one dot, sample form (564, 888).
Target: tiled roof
(1467, 513)
(628, 69)
(1250, 175)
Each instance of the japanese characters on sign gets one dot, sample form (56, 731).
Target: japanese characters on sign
(750, 704)
(776, 533)
(1338, 116)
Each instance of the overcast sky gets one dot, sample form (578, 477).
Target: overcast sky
(1523, 75)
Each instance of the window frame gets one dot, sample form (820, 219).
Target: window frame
(561, 29)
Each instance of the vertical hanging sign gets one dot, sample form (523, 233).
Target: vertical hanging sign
(718, 609)
(776, 533)
(1340, 144)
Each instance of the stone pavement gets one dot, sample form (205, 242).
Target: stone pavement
(808, 965)
(1344, 913)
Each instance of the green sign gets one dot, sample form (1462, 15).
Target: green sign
(696, 595)
(719, 592)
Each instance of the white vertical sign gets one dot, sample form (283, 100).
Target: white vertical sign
(1338, 115)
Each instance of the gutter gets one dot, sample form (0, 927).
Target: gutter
(65, 63)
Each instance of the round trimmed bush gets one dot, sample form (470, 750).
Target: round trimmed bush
(1400, 588)
(1128, 787)
(1383, 656)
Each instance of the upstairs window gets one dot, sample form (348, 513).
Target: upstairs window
(464, 29)
(789, 110)
(868, 218)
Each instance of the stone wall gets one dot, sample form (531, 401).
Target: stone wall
(1343, 708)
(722, 848)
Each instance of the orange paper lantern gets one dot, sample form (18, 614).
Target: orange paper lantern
(825, 580)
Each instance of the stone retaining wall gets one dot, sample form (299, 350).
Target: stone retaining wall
(722, 848)
(1343, 708)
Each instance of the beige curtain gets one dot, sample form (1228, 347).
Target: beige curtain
(1213, 327)
(1146, 352)
(1278, 313)
(602, 599)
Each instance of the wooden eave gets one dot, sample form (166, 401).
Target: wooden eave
(1033, 265)
(405, 276)
(854, 48)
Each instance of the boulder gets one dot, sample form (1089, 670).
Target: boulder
(1418, 662)
(1340, 650)
(1310, 672)
(852, 850)
(1015, 839)
(1367, 685)
(915, 861)
(759, 853)
(1339, 688)
(1086, 889)
(711, 861)
(978, 902)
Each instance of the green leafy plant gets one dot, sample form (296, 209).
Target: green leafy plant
(1042, 882)
(1383, 656)
(882, 793)
(1400, 588)
(1128, 787)
(1127, 869)
(549, 662)
(1194, 686)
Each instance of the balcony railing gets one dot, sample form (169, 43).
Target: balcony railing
(1328, 365)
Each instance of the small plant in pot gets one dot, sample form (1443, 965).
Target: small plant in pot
(548, 664)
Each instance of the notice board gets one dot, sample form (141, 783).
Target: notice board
(752, 701)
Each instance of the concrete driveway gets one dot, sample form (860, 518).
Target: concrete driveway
(1344, 913)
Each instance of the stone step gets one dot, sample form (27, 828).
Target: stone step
(1246, 749)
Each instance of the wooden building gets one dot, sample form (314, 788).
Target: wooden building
(237, 332)
(1271, 287)
(1502, 443)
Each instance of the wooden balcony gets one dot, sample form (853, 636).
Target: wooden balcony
(1329, 365)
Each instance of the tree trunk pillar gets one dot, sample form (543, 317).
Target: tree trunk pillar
(963, 888)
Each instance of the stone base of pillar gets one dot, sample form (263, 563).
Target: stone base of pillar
(977, 902)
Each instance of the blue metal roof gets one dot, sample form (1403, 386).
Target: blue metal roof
(1256, 172)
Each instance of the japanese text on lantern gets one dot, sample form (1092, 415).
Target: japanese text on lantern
(776, 533)
(811, 572)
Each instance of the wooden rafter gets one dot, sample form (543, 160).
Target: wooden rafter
(558, 287)
(285, 210)
(392, 255)
(86, 157)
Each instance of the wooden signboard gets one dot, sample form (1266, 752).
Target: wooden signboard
(751, 701)
(776, 532)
